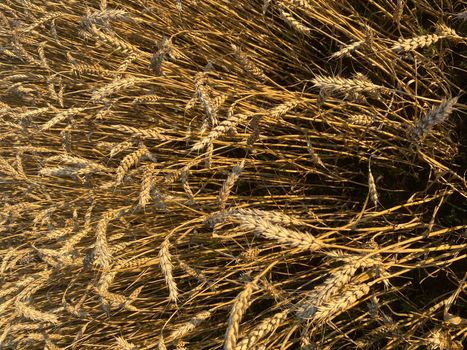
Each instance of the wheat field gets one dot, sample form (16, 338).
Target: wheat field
(279, 174)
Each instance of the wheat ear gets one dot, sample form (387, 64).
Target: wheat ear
(229, 183)
(150, 133)
(146, 185)
(102, 252)
(124, 345)
(435, 116)
(248, 65)
(293, 22)
(61, 117)
(331, 287)
(35, 315)
(358, 85)
(219, 130)
(281, 234)
(341, 303)
(184, 329)
(266, 326)
(129, 161)
(166, 267)
(241, 304)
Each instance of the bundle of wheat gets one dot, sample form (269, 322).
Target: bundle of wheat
(232, 174)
